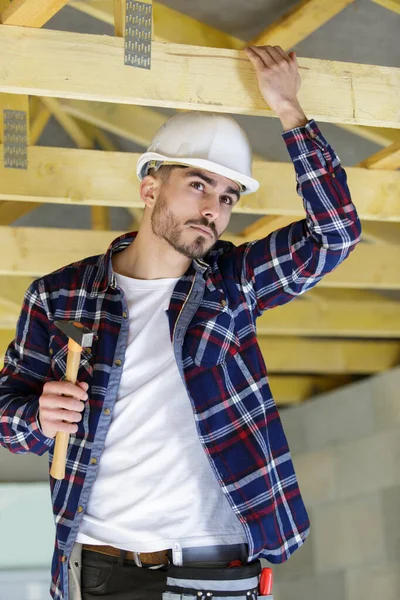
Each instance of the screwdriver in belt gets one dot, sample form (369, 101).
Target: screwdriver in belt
(265, 579)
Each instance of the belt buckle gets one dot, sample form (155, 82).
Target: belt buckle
(136, 558)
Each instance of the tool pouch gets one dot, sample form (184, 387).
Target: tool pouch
(202, 583)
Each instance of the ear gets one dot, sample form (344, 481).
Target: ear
(149, 189)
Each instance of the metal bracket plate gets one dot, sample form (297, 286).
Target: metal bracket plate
(138, 25)
(15, 139)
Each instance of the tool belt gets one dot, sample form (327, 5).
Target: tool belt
(202, 583)
(235, 582)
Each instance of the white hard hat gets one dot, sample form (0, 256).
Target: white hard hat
(211, 141)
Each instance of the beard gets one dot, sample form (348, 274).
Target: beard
(164, 224)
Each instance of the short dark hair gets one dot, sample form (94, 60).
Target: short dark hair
(164, 171)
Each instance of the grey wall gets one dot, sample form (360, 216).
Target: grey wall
(346, 451)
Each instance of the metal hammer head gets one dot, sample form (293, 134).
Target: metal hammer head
(78, 332)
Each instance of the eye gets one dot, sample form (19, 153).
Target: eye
(194, 183)
(227, 200)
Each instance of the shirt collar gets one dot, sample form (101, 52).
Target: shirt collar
(105, 276)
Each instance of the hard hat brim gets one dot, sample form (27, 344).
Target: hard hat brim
(249, 184)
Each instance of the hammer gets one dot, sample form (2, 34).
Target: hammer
(79, 337)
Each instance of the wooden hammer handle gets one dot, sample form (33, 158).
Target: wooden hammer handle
(62, 437)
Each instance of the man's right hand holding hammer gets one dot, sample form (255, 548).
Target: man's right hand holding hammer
(55, 407)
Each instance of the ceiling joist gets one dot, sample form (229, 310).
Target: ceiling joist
(332, 314)
(30, 13)
(93, 177)
(65, 65)
(300, 22)
(34, 251)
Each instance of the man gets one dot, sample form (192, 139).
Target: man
(178, 453)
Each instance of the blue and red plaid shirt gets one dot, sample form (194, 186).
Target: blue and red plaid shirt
(212, 318)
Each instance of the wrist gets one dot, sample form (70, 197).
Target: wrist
(292, 116)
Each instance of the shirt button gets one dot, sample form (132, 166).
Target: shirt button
(107, 411)
(63, 558)
(93, 461)
(223, 303)
(80, 509)
(118, 362)
(124, 314)
(312, 135)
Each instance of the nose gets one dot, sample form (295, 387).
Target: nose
(210, 208)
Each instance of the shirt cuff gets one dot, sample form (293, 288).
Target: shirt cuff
(305, 139)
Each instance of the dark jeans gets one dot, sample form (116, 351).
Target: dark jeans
(119, 579)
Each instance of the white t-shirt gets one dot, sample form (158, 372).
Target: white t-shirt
(155, 484)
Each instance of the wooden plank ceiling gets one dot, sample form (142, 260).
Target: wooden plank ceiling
(346, 328)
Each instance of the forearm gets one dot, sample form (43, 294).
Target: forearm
(292, 116)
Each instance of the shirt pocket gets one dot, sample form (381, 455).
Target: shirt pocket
(58, 351)
(211, 338)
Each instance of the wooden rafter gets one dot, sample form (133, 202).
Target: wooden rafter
(300, 22)
(30, 13)
(63, 65)
(33, 252)
(393, 5)
(302, 355)
(286, 389)
(379, 135)
(387, 158)
(173, 26)
(331, 313)
(92, 177)
(68, 123)
(376, 232)
(135, 123)
(169, 25)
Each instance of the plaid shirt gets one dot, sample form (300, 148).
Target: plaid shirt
(212, 319)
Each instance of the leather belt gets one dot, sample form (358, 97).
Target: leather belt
(154, 558)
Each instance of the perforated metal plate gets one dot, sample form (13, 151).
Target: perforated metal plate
(15, 139)
(138, 34)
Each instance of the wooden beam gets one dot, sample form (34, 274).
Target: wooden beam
(67, 123)
(302, 355)
(12, 291)
(393, 5)
(288, 390)
(100, 215)
(169, 25)
(137, 124)
(95, 178)
(31, 13)
(301, 21)
(381, 233)
(39, 123)
(173, 26)
(379, 135)
(119, 17)
(329, 313)
(98, 136)
(387, 158)
(64, 64)
(361, 315)
(372, 231)
(35, 251)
